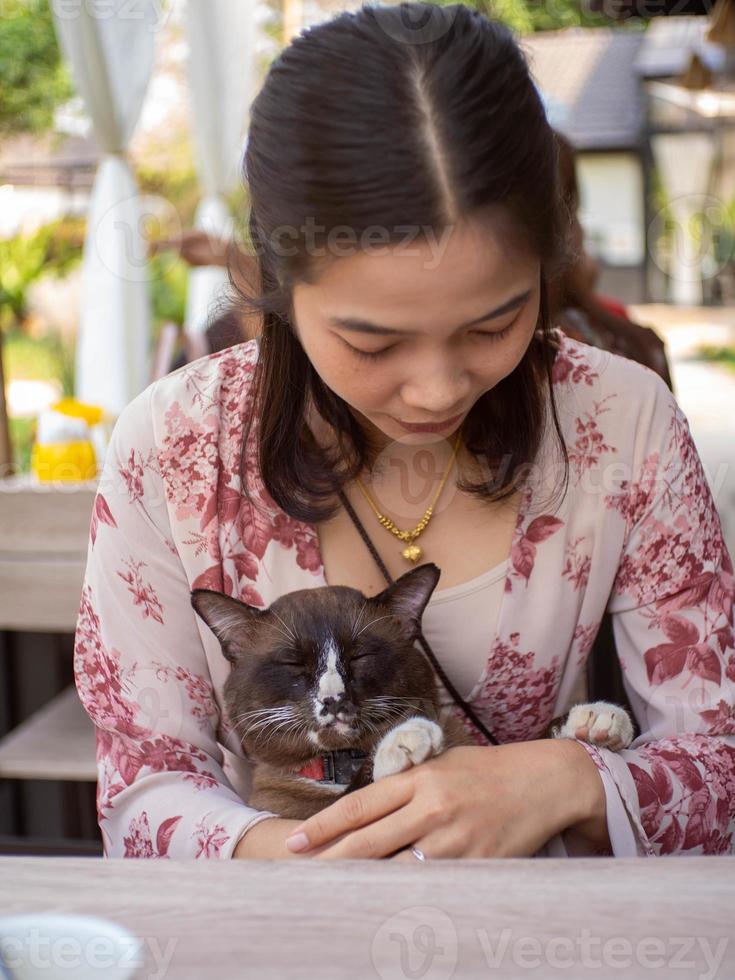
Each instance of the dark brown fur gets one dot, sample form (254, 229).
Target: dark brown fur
(258, 643)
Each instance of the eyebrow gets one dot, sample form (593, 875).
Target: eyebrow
(364, 326)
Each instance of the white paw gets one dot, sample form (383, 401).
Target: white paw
(600, 723)
(406, 745)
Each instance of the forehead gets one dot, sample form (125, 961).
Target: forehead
(450, 277)
(314, 620)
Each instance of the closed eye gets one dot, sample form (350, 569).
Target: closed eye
(491, 336)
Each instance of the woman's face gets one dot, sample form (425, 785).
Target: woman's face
(417, 333)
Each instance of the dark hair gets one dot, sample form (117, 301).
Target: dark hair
(366, 121)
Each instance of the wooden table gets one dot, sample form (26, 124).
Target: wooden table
(44, 532)
(606, 917)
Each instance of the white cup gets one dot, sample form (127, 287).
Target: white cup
(67, 947)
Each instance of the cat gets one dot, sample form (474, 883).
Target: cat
(328, 692)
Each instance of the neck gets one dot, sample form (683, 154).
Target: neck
(422, 461)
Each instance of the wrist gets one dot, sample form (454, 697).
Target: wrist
(266, 840)
(587, 810)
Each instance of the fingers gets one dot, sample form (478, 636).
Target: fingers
(350, 813)
(377, 840)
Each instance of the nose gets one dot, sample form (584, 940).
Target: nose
(437, 387)
(338, 706)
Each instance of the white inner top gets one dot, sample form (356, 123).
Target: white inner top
(460, 622)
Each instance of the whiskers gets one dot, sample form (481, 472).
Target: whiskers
(283, 720)
(363, 607)
(287, 632)
(377, 713)
(375, 716)
(367, 625)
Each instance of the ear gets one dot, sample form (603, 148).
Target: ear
(230, 620)
(408, 595)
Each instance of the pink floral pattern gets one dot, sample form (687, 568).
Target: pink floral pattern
(171, 514)
(143, 593)
(589, 444)
(134, 471)
(198, 689)
(209, 839)
(100, 515)
(139, 842)
(577, 564)
(583, 638)
(523, 551)
(684, 796)
(513, 711)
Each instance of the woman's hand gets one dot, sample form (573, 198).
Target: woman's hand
(468, 802)
(266, 839)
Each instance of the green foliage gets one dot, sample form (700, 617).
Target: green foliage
(720, 355)
(721, 224)
(169, 276)
(55, 247)
(44, 358)
(527, 16)
(175, 181)
(33, 77)
(558, 14)
(21, 439)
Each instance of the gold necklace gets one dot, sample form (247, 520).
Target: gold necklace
(412, 552)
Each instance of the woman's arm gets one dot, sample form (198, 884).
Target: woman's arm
(142, 675)
(673, 621)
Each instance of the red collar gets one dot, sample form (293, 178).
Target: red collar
(336, 766)
(313, 769)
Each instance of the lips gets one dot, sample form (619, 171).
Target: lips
(430, 426)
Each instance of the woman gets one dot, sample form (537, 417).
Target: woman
(407, 225)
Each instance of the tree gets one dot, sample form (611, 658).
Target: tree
(33, 77)
(527, 16)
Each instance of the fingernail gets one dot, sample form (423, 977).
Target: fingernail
(297, 842)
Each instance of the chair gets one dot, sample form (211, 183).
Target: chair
(47, 750)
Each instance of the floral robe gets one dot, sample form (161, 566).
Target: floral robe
(637, 534)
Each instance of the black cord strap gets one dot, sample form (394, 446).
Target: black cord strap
(421, 638)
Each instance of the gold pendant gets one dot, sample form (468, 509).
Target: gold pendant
(412, 553)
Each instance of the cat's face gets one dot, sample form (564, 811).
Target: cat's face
(322, 668)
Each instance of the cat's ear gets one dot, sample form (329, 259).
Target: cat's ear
(230, 620)
(408, 595)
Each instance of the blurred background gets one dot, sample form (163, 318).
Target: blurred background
(122, 128)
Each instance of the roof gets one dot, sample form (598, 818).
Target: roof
(588, 80)
(669, 43)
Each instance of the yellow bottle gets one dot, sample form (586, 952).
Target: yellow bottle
(62, 450)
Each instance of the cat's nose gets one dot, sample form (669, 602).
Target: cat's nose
(340, 707)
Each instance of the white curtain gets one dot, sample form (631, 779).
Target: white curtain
(110, 47)
(684, 161)
(220, 35)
